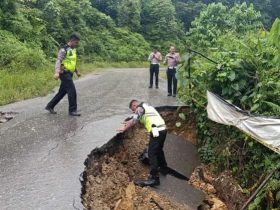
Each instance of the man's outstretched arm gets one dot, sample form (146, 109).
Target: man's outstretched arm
(127, 125)
(132, 122)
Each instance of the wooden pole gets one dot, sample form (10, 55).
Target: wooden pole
(259, 188)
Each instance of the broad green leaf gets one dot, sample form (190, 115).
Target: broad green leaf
(278, 196)
(255, 107)
(232, 76)
(182, 116)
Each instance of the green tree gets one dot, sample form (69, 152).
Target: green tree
(159, 23)
(247, 76)
(129, 14)
(270, 9)
(217, 19)
(8, 7)
(187, 11)
(109, 7)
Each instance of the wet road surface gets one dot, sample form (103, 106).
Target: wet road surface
(184, 162)
(42, 155)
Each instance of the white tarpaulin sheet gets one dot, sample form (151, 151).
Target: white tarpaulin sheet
(264, 129)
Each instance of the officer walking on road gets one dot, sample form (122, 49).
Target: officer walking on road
(65, 67)
(172, 60)
(155, 125)
(154, 58)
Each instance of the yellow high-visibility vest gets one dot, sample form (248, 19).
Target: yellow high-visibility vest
(70, 60)
(151, 118)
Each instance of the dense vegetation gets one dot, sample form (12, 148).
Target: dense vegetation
(120, 30)
(241, 35)
(247, 75)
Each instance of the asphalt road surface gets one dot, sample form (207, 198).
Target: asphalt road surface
(42, 155)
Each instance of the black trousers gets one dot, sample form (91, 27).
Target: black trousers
(171, 81)
(154, 70)
(66, 87)
(156, 154)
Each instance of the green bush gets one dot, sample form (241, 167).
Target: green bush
(217, 19)
(15, 55)
(247, 75)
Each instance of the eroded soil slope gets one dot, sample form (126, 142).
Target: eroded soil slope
(109, 185)
(111, 169)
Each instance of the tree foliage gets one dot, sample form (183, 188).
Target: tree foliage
(130, 14)
(161, 28)
(109, 7)
(187, 11)
(104, 25)
(45, 25)
(247, 75)
(218, 19)
(270, 9)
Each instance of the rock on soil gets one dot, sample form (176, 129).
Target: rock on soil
(223, 191)
(187, 130)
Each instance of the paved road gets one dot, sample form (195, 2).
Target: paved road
(41, 155)
(184, 162)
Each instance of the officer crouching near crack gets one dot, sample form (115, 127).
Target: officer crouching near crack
(155, 125)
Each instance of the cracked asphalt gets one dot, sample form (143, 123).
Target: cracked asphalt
(42, 155)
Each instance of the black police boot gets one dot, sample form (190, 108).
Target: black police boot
(51, 111)
(74, 114)
(152, 181)
(164, 170)
(144, 157)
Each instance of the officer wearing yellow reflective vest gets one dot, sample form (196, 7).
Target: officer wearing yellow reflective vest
(155, 125)
(65, 67)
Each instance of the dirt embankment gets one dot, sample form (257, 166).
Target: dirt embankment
(108, 178)
(187, 130)
(223, 192)
(110, 170)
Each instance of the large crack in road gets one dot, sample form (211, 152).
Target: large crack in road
(41, 155)
(110, 169)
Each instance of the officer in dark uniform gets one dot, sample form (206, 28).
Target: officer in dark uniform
(155, 125)
(65, 67)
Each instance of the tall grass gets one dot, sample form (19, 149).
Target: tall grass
(23, 84)
(19, 85)
(89, 67)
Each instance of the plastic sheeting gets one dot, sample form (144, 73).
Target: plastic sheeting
(263, 129)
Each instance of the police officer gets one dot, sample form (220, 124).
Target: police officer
(154, 58)
(172, 59)
(65, 67)
(155, 125)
